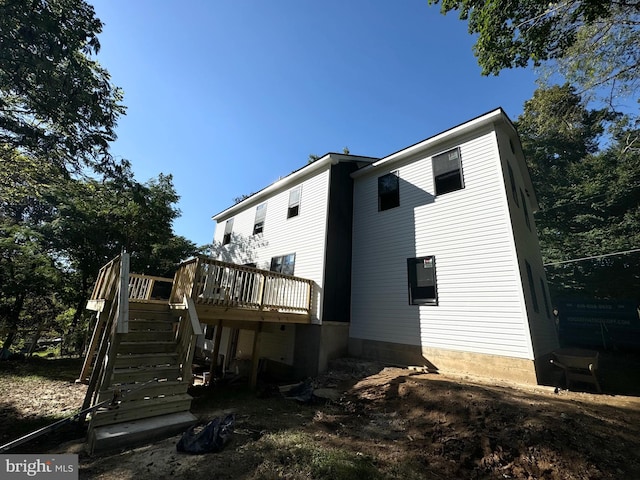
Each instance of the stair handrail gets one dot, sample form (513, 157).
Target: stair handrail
(188, 330)
(116, 322)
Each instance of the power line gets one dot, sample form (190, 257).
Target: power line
(592, 257)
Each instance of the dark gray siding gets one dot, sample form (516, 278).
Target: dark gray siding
(337, 275)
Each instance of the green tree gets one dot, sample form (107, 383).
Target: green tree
(56, 102)
(97, 219)
(592, 42)
(589, 194)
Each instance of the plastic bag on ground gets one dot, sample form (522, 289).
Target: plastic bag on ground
(212, 438)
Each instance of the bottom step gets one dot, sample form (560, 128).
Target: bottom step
(137, 432)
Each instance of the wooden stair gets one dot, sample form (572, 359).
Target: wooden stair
(147, 371)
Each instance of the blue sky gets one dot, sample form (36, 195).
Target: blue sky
(230, 95)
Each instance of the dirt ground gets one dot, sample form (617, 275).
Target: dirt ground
(387, 423)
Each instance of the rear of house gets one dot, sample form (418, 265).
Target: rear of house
(428, 256)
(446, 265)
(299, 225)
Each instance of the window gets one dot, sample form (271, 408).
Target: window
(526, 210)
(258, 223)
(544, 296)
(512, 181)
(532, 287)
(421, 272)
(388, 191)
(294, 202)
(283, 264)
(447, 172)
(228, 228)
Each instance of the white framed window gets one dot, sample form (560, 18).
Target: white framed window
(258, 223)
(447, 172)
(294, 202)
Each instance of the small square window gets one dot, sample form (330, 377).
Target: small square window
(388, 191)
(294, 202)
(447, 172)
(228, 229)
(421, 272)
(261, 213)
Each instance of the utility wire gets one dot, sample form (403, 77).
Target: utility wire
(592, 257)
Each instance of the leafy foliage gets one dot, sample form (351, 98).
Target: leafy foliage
(592, 43)
(589, 194)
(56, 102)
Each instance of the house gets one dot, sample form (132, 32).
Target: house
(428, 256)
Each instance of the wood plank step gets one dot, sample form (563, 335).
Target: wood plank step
(146, 359)
(146, 347)
(128, 411)
(151, 390)
(143, 374)
(148, 336)
(138, 432)
(148, 307)
(143, 325)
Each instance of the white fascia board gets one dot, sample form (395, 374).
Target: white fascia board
(292, 178)
(486, 119)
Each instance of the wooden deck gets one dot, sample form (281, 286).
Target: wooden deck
(237, 293)
(145, 330)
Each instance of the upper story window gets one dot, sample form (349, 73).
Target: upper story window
(261, 213)
(388, 191)
(447, 172)
(228, 228)
(294, 202)
(283, 264)
(421, 272)
(512, 182)
(532, 287)
(525, 209)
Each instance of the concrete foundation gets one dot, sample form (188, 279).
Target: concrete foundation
(317, 345)
(518, 370)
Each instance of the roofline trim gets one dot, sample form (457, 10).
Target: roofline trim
(487, 118)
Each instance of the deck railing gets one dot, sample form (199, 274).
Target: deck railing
(141, 287)
(217, 283)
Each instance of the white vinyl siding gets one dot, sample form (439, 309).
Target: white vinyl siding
(302, 235)
(479, 290)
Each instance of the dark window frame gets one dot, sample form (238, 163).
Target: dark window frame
(284, 264)
(417, 274)
(525, 210)
(388, 191)
(447, 176)
(545, 298)
(514, 187)
(532, 287)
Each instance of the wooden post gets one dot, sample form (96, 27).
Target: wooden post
(216, 351)
(253, 382)
(123, 296)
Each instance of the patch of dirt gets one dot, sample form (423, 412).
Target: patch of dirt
(402, 423)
